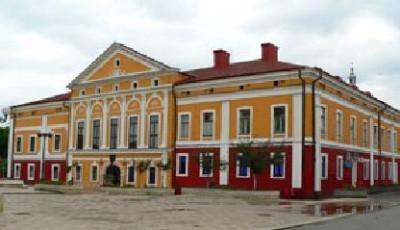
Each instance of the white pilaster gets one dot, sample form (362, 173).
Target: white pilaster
(297, 148)
(392, 150)
(371, 151)
(164, 160)
(317, 167)
(224, 146)
(10, 147)
(123, 122)
(142, 120)
(104, 125)
(71, 126)
(43, 145)
(165, 120)
(87, 125)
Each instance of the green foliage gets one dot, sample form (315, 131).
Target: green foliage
(165, 166)
(143, 165)
(51, 182)
(3, 142)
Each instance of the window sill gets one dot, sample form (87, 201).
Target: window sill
(278, 178)
(242, 177)
(182, 175)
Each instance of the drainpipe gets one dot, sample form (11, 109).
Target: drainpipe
(174, 137)
(316, 155)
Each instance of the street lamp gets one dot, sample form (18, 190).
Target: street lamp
(44, 134)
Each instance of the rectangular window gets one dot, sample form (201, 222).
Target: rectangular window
(55, 172)
(366, 170)
(17, 171)
(242, 171)
(278, 168)
(339, 126)
(31, 171)
(323, 120)
(395, 141)
(390, 171)
(279, 119)
(365, 134)
(339, 168)
(57, 142)
(114, 133)
(382, 138)
(206, 164)
(78, 172)
(96, 134)
(18, 147)
(376, 170)
(383, 170)
(182, 164)
(184, 126)
(244, 122)
(80, 139)
(324, 166)
(353, 130)
(133, 131)
(131, 173)
(152, 175)
(208, 124)
(375, 136)
(94, 173)
(389, 140)
(153, 132)
(32, 144)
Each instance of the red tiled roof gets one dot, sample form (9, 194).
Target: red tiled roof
(238, 69)
(55, 98)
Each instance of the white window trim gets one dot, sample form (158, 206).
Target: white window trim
(341, 168)
(100, 132)
(118, 131)
(376, 170)
(97, 90)
(189, 125)
(91, 172)
(355, 130)
(52, 172)
(284, 168)
(159, 128)
(17, 175)
(54, 142)
(201, 167)
(383, 170)
(31, 177)
(127, 130)
(115, 85)
(390, 171)
(178, 155)
(82, 92)
(16, 143)
(84, 133)
(29, 146)
(137, 85)
(153, 80)
(135, 173)
(365, 139)
(238, 121)
(156, 176)
(366, 175)
(339, 136)
(81, 174)
(115, 62)
(325, 122)
(201, 124)
(238, 168)
(326, 166)
(273, 120)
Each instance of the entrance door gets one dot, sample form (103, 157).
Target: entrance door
(354, 173)
(113, 176)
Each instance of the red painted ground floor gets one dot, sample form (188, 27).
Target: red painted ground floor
(30, 171)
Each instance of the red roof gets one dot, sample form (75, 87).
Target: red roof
(238, 69)
(55, 98)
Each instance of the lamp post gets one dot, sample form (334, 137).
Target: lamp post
(43, 134)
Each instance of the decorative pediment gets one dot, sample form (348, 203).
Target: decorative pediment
(116, 61)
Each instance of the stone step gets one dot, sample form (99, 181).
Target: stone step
(11, 183)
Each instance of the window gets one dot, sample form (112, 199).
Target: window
(151, 178)
(83, 92)
(182, 164)
(389, 140)
(96, 134)
(242, 171)
(208, 124)
(133, 130)
(323, 120)
(279, 119)
(383, 170)
(339, 126)
(31, 171)
(117, 62)
(32, 144)
(278, 168)
(155, 82)
(114, 133)
(98, 90)
(375, 136)
(244, 122)
(206, 164)
(57, 142)
(324, 166)
(353, 132)
(17, 171)
(390, 171)
(55, 172)
(382, 138)
(94, 173)
(131, 173)
(78, 172)
(366, 170)
(376, 168)
(116, 88)
(18, 145)
(134, 85)
(81, 128)
(365, 133)
(184, 120)
(153, 132)
(339, 168)
(395, 141)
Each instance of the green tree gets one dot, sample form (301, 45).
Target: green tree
(3, 150)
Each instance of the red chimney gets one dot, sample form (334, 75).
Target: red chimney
(269, 52)
(221, 58)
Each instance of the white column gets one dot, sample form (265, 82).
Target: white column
(164, 160)
(123, 122)
(393, 154)
(371, 150)
(224, 144)
(71, 126)
(165, 120)
(317, 168)
(104, 125)
(297, 157)
(87, 125)
(10, 146)
(43, 144)
(142, 120)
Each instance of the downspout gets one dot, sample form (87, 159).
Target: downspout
(174, 138)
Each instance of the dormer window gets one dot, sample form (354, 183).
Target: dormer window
(155, 82)
(98, 90)
(116, 88)
(117, 62)
(83, 92)
(134, 85)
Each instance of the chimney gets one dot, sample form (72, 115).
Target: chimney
(269, 52)
(221, 58)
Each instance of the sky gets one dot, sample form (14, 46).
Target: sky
(45, 44)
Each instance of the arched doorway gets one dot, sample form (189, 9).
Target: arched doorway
(113, 176)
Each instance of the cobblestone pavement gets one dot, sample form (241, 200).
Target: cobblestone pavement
(34, 210)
